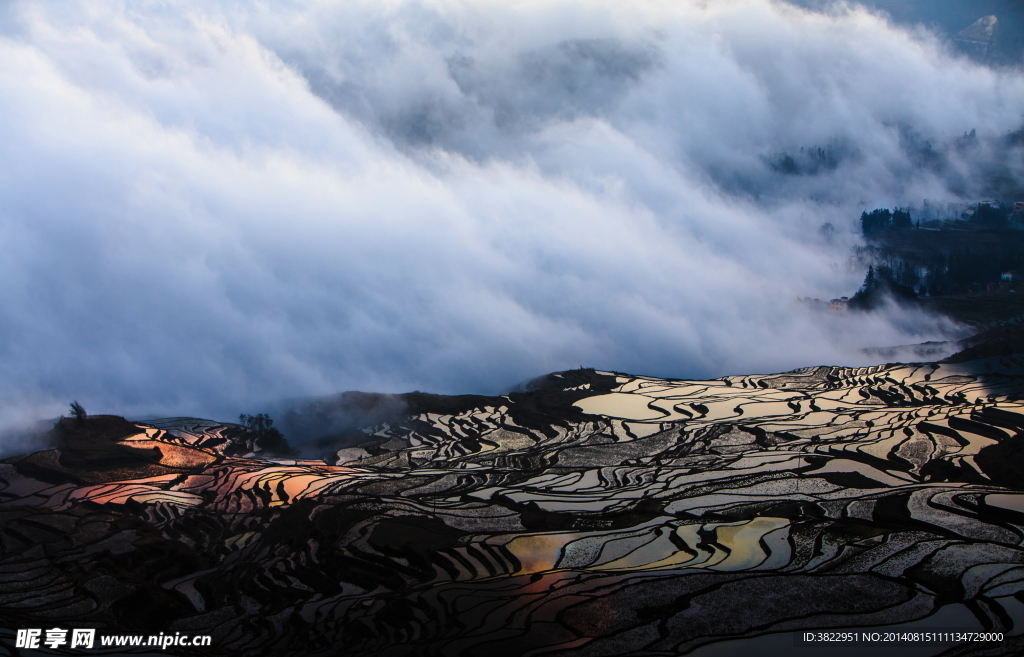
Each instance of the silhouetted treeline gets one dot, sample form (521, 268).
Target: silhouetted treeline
(882, 219)
(267, 437)
(962, 257)
(987, 215)
(880, 284)
(810, 161)
(971, 266)
(991, 215)
(962, 269)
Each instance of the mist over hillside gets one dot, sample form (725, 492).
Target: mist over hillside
(207, 208)
(964, 23)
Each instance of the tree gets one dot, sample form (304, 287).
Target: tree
(78, 412)
(827, 231)
(259, 422)
(268, 438)
(901, 219)
(990, 215)
(878, 285)
(876, 220)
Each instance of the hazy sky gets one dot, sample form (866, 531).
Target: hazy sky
(209, 205)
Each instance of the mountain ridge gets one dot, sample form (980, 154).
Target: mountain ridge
(622, 514)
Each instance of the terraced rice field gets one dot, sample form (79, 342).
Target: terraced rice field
(598, 514)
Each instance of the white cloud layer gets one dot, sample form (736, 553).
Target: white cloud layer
(207, 206)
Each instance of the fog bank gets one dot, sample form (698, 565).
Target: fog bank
(207, 207)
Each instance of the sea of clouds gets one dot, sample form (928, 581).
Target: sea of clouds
(207, 206)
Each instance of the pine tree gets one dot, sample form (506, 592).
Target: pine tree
(78, 412)
(870, 283)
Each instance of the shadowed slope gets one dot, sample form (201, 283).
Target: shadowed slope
(594, 513)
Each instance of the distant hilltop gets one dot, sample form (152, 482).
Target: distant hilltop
(979, 37)
(988, 31)
(620, 514)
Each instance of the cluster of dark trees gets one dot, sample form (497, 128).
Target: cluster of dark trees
(883, 219)
(967, 267)
(991, 215)
(955, 271)
(986, 214)
(882, 283)
(810, 161)
(267, 437)
(943, 265)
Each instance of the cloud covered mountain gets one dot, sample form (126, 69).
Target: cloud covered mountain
(203, 208)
